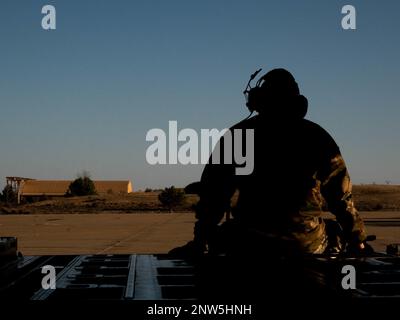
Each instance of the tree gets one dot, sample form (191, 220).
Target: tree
(82, 186)
(171, 197)
(8, 195)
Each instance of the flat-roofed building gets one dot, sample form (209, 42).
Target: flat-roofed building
(58, 188)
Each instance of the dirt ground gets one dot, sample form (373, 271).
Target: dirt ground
(54, 234)
(367, 198)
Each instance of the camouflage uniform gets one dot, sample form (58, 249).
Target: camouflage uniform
(296, 163)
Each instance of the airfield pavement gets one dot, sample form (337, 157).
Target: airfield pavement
(116, 233)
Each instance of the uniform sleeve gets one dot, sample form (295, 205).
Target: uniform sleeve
(217, 188)
(336, 188)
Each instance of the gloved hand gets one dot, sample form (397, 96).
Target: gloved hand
(362, 248)
(191, 249)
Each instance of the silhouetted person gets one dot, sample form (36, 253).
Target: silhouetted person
(296, 163)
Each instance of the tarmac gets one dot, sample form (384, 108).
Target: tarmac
(142, 233)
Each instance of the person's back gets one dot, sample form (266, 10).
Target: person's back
(296, 165)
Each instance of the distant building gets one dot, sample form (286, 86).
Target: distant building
(31, 188)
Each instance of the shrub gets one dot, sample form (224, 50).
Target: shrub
(171, 197)
(82, 186)
(8, 195)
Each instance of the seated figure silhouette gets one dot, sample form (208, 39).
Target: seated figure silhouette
(296, 163)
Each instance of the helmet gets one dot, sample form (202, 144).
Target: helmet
(276, 92)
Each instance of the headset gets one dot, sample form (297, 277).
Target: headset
(260, 98)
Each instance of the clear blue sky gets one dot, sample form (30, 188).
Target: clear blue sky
(82, 97)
